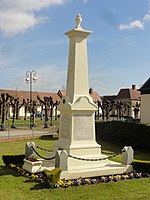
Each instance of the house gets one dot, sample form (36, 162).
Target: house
(130, 97)
(145, 102)
(20, 95)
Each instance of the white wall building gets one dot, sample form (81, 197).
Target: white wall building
(145, 102)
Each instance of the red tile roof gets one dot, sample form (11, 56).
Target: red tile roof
(132, 94)
(25, 94)
(92, 93)
(109, 98)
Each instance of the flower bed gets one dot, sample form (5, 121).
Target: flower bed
(42, 178)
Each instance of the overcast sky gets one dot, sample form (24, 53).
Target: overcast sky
(32, 37)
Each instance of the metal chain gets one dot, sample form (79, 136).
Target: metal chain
(43, 149)
(42, 156)
(86, 159)
(107, 153)
(96, 159)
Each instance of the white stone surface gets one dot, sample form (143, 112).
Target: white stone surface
(77, 121)
(145, 108)
(109, 169)
(72, 168)
(32, 167)
(127, 156)
(28, 150)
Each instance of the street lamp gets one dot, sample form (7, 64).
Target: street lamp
(31, 78)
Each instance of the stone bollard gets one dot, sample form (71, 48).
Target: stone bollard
(57, 159)
(28, 150)
(127, 156)
(61, 160)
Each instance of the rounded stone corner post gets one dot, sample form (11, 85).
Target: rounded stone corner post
(28, 150)
(127, 155)
(57, 159)
(61, 160)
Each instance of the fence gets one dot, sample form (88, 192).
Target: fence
(23, 130)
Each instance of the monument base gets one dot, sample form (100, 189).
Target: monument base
(73, 168)
(109, 169)
(85, 169)
(79, 148)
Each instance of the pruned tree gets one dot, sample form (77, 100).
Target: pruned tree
(108, 109)
(17, 108)
(119, 108)
(13, 104)
(25, 103)
(136, 109)
(51, 103)
(45, 104)
(56, 108)
(33, 111)
(103, 108)
(4, 98)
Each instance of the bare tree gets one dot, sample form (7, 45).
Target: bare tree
(108, 109)
(26, 107)
(136, 109)
(33, 111)
(5, 98)
(17, 108)
(13, 104)
(56, 108)
(45, 104)
(51, 103)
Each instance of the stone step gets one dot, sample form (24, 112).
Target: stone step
(111, 169)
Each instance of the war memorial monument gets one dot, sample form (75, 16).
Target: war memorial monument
(76, 152)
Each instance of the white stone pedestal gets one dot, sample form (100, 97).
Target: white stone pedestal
(33, 167)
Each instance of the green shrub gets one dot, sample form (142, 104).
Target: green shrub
(124, 133)
(141, 166)
(52, 177)
(13, 159)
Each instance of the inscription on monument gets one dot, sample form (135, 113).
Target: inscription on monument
(83, 127)
(65, 124)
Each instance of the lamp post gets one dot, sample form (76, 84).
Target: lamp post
(31, 78)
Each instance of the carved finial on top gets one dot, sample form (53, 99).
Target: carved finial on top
(78, 21)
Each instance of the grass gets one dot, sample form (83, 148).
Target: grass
(25, 123)
(14, 187)
(112, 148)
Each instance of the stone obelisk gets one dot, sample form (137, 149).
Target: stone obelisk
(77, 109)
(77, 152)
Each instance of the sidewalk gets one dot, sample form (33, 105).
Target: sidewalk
(18, 134)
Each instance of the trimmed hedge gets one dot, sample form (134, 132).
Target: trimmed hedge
(13, 159)
(124, 133)
(52, 177)
(141, 166)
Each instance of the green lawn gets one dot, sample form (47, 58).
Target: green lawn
(13, 187)
(25, 123)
